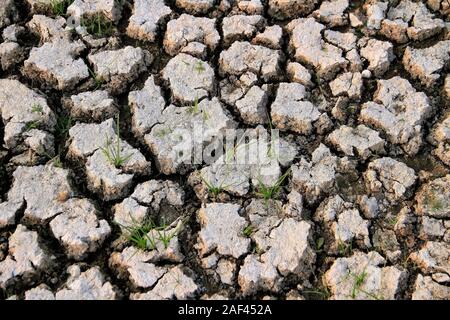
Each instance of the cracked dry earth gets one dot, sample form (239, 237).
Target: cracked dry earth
(359, 90)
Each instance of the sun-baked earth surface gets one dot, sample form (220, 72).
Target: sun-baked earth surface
(360, 207)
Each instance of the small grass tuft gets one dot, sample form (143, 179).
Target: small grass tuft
(98, 25)
(205, 115)
(271, 192)
(164, 236)
(32, 125)
(136, 234)
(37, 108)
(214, 190)
(59, 7)
(320, 293)
(231, 152)
(97, 79)
(359, 281)
(392, 220)
(344, 248)
(199, 67)
(146, 235)
(55, 160)
(113, 151)
(248, 231)
(63, 125)
(319, 244)
(194, 109)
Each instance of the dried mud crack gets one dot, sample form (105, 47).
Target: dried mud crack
(118, 181)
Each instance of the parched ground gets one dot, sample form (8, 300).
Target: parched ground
(97, 202)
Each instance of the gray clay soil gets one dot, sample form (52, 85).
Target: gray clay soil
(95, 202)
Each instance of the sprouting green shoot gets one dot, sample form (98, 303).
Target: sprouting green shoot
(37, 108)
(136, 234)
(319, 244)
(199, 67)
(359, 32)
(248, 231)
(146, 235)
(358, 282)
(212, 189)
(194, 109)
(392, 220)
(321, 292)
(31, 125)
(59, 7)
(205, 115)
(63, 125)
(98, 25)
(344, 248)
(55, 160)
(231, 152)
(164, 236)
(113, 150)
(271, 192)
(97, 79)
